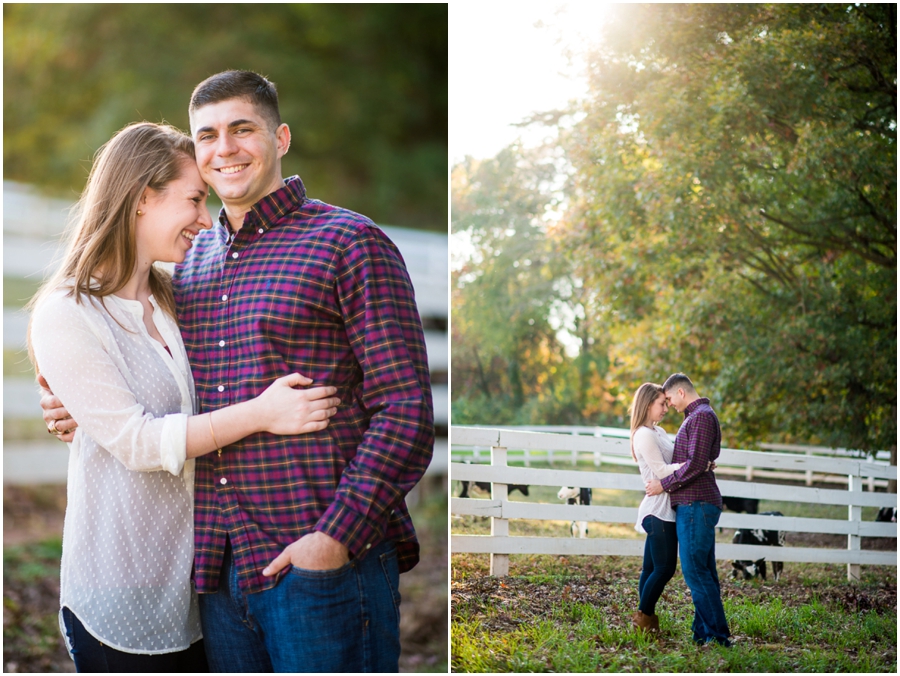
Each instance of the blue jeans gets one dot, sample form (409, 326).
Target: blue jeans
(660, 558)
(345, 620)
(92, 656)
(696, 525)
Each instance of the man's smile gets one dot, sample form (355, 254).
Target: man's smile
(232, 169)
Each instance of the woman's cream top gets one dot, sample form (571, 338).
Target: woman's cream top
(654, 449)
(128, 536)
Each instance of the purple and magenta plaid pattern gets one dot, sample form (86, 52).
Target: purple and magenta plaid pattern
(308, 287)
(698, 441)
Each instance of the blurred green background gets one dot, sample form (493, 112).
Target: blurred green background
(363, 88)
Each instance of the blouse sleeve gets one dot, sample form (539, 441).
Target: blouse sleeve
(645, 444)
(73, 355)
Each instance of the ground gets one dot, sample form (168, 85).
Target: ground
(32, 528)
(573, 614)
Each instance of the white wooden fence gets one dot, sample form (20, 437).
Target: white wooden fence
(500, 545)
(749, 472)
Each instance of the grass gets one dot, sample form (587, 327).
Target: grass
(31, 638)
(573, 615)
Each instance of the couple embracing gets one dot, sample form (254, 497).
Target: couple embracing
(682, 504)
(223, 515)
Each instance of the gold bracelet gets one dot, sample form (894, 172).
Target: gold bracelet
(213, 434)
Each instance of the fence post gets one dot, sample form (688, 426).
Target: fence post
(854, 485)
(499, 527)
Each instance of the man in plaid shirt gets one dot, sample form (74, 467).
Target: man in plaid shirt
(299, 540)
(698, 505)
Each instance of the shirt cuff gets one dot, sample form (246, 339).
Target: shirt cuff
(173, 444)
(357, 533)
(667, 481)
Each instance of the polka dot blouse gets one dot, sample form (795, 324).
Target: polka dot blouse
(128, 534)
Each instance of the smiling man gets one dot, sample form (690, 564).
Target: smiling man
(299, 540)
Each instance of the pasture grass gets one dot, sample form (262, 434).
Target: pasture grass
(559, 614)
(573, 614)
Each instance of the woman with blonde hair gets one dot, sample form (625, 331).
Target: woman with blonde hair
(103, 334)
(652, 450)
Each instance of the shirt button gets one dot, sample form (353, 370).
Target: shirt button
(369, 546)
(223, 481)
(234, 255)
(221, 343)
(221, 388)
(261, 231)
(225, 297)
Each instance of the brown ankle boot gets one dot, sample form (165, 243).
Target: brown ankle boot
(641, 621)
(654, 623)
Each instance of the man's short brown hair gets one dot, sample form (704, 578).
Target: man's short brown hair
(239, 84)
(676, 380)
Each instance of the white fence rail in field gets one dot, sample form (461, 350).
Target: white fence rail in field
(477, 454)
(504, 442)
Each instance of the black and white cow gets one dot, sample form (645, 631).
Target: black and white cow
(485, 486)
(748, 505)
(758, 536)
(888, 514)
(576, 496)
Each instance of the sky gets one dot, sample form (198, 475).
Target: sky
(507, 61)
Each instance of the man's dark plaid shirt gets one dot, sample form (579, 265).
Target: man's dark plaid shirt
(698, 441)
(310, 288)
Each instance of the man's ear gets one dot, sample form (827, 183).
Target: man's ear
(283, 139)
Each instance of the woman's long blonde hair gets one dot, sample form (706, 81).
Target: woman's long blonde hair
(100, 243)
(644, 397)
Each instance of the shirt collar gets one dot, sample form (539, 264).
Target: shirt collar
(694, 405)
(270, 208)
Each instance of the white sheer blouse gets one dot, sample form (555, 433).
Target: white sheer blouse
(128, 535)
(654, 450)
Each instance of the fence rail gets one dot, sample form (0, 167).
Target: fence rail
(476, 453)
(607, 448)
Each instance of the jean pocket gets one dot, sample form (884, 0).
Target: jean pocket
(391, 570)
(648, 523)
(329, 574)
(711, 514)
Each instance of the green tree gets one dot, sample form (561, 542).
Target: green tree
(508, 365)
(734, 210)
(363, 88)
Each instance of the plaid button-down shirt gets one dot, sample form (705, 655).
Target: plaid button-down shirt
(308, 287)
(698, 441)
